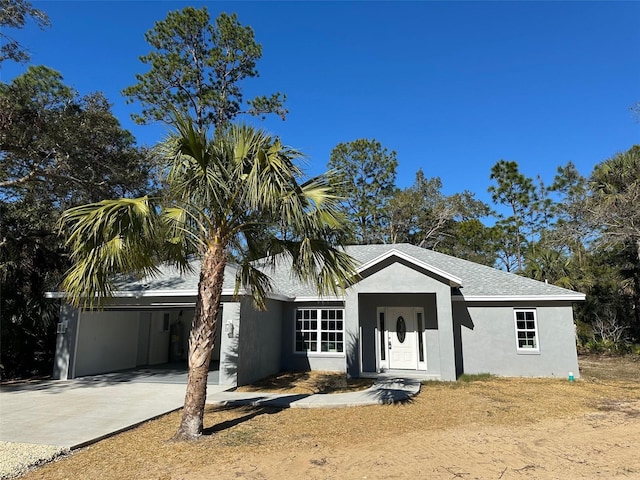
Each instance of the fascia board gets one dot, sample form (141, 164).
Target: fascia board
(141, 293)
(331, 298)
(170, 293)
(577, 297)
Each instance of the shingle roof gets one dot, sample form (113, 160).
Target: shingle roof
(169, 279)
(476, 281)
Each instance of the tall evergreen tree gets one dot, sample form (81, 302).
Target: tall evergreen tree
(367, 173)
(518, 193)
(573, 229)
(196, 67)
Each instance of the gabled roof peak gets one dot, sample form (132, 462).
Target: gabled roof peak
(454, 281)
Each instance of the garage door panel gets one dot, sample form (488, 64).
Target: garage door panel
(107, 341)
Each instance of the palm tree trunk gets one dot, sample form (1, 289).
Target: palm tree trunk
(201, 341)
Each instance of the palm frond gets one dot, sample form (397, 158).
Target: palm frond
(197, 170)
(317, 262)
(181, 235)
(256, 281)
(189, 141)
(108, 238)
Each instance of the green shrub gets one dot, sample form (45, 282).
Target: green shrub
(584, 333)
(468, 378)
(609, 347)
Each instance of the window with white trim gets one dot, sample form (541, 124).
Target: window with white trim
(526, 331)
(319, 330)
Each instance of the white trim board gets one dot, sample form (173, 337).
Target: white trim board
(574, 297)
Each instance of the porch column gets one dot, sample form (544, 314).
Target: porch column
(229, 333)
(445, 331)
(64, 359)
(352, 333)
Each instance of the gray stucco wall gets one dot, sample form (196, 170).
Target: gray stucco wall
(302, 362)
(259, 345)
(488, 340)
(393, 278)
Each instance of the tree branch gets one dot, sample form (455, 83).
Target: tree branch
(19, 181)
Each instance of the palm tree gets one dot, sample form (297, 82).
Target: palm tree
(548, 265)
(235, 196)
(615, 184)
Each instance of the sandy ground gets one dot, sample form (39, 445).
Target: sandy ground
(594, 446)
(488, 429)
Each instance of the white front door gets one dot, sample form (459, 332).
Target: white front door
(401, 334)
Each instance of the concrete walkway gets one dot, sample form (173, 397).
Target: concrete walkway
(383, 391)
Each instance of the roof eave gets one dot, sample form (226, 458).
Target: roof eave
(328, 298)
(170, 293)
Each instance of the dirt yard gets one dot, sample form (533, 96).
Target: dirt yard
(484, 429)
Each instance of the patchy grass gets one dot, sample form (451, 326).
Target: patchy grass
(463, 380)
(604, 368)
(468, 378)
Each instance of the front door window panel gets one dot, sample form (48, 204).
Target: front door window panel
(401, 329)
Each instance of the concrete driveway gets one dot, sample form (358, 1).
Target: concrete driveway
(77, 412)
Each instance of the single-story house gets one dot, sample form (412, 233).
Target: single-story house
(412, 311)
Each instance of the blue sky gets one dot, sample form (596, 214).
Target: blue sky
(452, 87)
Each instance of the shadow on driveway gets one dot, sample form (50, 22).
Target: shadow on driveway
(171, 373)
(74, 413)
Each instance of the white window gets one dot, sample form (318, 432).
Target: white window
(526, 331)
(319, 330)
